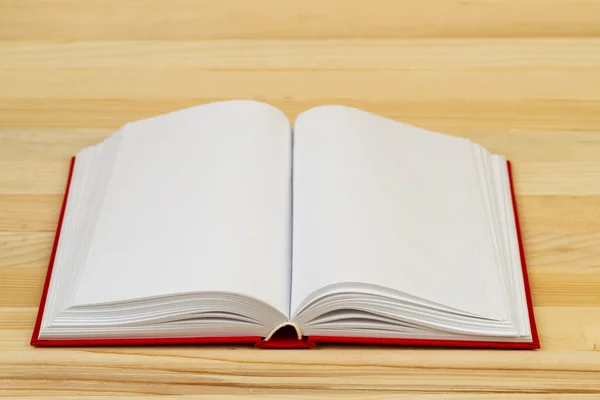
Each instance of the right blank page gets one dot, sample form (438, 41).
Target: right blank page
(384, 203)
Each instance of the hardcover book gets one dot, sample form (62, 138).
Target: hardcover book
(223, 223)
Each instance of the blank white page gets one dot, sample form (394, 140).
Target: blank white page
(199, 200)
(384, 203)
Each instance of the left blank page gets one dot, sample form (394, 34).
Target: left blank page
(198, 200)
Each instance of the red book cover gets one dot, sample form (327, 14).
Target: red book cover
(285, 340)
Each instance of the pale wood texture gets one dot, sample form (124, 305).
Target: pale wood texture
(521, 77)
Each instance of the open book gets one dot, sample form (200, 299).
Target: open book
(222, 223)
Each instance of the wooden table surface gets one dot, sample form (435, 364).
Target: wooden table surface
(521, 77)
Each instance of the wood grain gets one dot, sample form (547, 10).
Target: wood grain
(265, 19)
(521, 77)
(333, 54)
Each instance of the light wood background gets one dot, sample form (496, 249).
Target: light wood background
(521, 77)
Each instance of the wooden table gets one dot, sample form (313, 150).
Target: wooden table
(521, 77)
